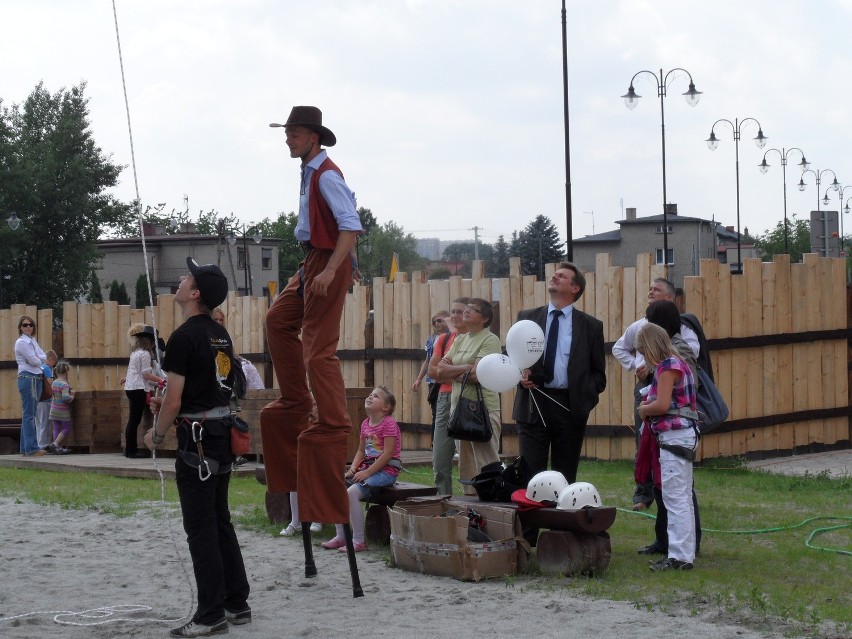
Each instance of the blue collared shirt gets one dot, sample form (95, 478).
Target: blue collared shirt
(563, 345)
(338, 196)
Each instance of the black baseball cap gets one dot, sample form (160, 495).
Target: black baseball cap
(210, 282)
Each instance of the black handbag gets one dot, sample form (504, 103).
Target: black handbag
(470, 421)
(434, 391)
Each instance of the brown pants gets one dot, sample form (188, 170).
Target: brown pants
(300, 454)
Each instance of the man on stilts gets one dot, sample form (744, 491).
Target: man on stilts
(303, 328)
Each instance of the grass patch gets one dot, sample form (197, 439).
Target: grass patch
(754, 566)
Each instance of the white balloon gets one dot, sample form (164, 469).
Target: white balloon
(497, 373)
(525, 343)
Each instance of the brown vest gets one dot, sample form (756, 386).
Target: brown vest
(324, 229)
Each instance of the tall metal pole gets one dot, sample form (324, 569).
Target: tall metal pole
(246, 265)
(784, 172)
(630, 101)
(568, 221)
(737, 156)
(713, 143)
(764, 167)
(661, 89)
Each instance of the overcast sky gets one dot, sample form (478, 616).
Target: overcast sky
(448, 113)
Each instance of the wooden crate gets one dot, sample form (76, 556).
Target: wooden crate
(98, 421)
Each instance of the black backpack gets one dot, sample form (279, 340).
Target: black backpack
(239, 385)
(703, 359)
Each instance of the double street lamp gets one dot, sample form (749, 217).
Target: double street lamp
(631, 100)
(257, 236)
(713, 144)
(14, 222)
(835, 185)
(764, 167)
(841, 191)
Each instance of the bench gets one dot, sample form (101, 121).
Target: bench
(377, 522)
(575, 542)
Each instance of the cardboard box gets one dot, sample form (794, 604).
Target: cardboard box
(424, 541)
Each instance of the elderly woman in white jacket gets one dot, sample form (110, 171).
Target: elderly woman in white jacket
(29, 357)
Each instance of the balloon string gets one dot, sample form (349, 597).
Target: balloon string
(550, 398)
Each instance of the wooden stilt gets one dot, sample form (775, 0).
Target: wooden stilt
(310, 566)
(357, 591)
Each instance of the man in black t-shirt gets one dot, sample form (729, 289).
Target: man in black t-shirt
(198, 361)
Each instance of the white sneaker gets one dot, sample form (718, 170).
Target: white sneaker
(289, 531)
(316, 527)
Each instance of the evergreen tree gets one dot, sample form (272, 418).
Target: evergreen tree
(498, 265)
(538, 244)
(142, 298)
(96, 295)
(118, 293)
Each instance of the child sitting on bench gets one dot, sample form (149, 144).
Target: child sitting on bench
(377, 463)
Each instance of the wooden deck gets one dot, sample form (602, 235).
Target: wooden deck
(118, 465)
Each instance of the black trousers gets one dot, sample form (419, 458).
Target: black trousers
(662, 521)
(137, 408)
(558, 435)
(220, 574)
(433, 407)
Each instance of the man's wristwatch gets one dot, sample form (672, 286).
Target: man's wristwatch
(156, 437)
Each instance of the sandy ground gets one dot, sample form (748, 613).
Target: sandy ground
(57, 561)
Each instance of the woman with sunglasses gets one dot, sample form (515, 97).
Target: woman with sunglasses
(30, 357)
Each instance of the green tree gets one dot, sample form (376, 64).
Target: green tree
(118, 293)
(289, 251)
(55, 177)
(368, 220)
(142, 296)
(771, 241)
(466, 252)
(96, 295)
(538, 244)
(385, 240)
(440, 273)
(498, 264)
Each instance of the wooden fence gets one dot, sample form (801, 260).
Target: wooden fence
(778, 336)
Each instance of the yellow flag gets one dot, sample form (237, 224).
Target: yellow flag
(394, 267)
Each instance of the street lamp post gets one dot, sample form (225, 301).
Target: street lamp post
(844, 211)
(631, 100)
(764, 167)
(258, 238)
(14, 222)
(818, 178)
(841, 192)
(713, 144)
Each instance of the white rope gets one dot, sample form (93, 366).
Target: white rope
(102, 615)
(118, 613)
(138, 206)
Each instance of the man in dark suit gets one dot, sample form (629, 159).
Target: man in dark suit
(561, 389)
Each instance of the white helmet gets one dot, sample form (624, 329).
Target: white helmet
(577, 496)
(545, 486)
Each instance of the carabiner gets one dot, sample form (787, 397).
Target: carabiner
(200, 436)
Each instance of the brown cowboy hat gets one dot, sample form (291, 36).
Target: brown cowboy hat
(311, 117)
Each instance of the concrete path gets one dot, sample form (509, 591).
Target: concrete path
(835, 463)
